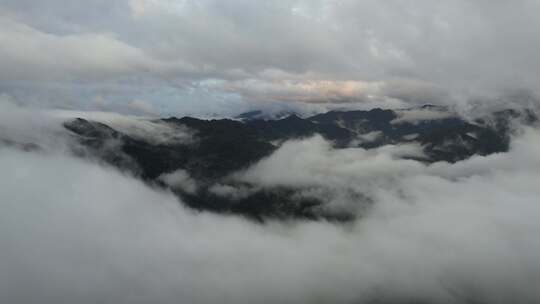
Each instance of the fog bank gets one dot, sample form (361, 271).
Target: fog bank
(73, 231)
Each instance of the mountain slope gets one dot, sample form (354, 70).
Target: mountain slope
(201, 171)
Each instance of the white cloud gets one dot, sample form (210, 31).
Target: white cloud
(21, 125)
(72, 231)
(231, 192)
(365, 138)
(314, 162)
(138, 127)
(110, 238)
(180, 180)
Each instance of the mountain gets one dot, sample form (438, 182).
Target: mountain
(263, 115)
(199, 171)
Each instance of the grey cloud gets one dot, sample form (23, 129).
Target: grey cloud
(28, 54)
(419, 52)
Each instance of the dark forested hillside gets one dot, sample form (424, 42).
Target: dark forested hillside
(222, 147)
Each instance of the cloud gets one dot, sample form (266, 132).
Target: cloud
(307, 91)
(355, 172)
(21, 125)
(28, 54)
(314, 161)
(143, 107)
(139, 127)
(180, 180)
(422, 52)
(74, 231)
(417, 115)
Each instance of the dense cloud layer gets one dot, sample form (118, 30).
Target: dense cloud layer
(74, 231)
(208, 56)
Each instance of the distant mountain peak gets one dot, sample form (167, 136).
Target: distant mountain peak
(264, 115)
(292, 117)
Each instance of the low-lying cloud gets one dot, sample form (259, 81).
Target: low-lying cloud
(74, 231)
(147, 129)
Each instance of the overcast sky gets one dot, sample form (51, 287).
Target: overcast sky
(213, 56)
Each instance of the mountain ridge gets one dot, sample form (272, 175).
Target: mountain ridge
(225, 146)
